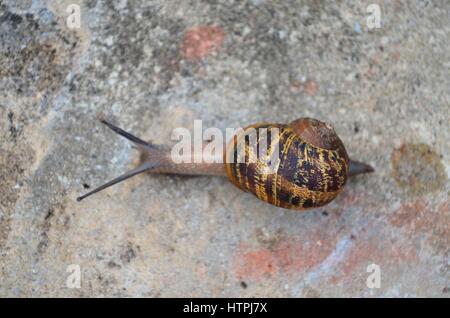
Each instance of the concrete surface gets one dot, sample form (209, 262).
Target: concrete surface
(152, 66)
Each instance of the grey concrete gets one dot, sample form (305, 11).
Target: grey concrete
(152, 66)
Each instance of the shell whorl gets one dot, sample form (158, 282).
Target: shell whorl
(311, 167)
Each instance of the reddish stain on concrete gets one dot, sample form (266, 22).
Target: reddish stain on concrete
(256, 264)
(311, 87)
(370, 251)
(409, 215)
(290, 255)
(201, 41)
(416, 218)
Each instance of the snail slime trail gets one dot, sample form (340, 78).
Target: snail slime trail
(306, 165)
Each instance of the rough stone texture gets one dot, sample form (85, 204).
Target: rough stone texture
(152, 66)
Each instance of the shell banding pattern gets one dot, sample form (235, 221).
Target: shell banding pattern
(302, 176)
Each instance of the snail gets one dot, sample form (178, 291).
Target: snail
(306, 165)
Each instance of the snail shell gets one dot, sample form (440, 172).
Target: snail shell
(311, 168)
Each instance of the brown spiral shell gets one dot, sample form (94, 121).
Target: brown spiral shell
(311, 170)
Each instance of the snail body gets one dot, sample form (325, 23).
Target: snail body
(305, 166)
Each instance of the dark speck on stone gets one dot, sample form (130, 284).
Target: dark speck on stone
(15, 19)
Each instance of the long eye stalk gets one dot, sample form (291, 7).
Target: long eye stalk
(145, 166)
(142, 168)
